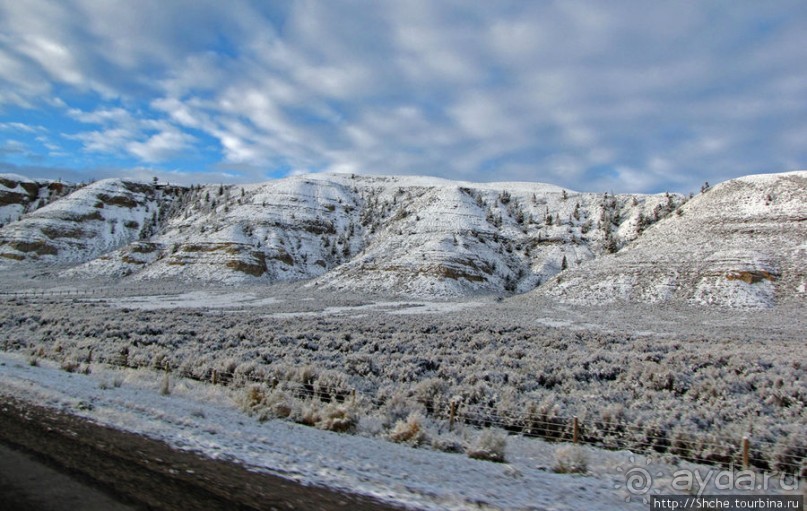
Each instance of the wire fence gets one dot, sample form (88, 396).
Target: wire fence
(532, 421)
(743, 451)
(113, 292)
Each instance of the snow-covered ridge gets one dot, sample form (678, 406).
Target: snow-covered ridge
(414, 235)
(20, 195)
(409, 235)
(739, 244)
(92, 220)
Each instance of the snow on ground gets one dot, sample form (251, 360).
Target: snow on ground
(203, 418)
(394, 308)
(193, 299)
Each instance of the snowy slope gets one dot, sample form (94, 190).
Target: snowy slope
(741, 244)
(87, 223)
(410, 235)
(430, 236)
(449, 238)
(20, 195)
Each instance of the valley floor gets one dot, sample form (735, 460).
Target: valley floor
(101, 352)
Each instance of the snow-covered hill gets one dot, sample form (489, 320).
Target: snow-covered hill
(20, 195)
(91, 221)
(742, 243)
(409, 235)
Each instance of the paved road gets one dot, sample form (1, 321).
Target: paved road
(27, 483)
(88, 467)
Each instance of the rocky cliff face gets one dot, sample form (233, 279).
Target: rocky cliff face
(740, 243)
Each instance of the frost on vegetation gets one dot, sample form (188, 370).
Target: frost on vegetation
(409, 431)
(489, 445)
(570, 459)
(267, 404)
(396, 376)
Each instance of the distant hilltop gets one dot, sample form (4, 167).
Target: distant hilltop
(740, 243)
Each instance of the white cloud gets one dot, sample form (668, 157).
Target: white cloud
(663, 97)
(13, 147)
(19, 126)
(161, 146)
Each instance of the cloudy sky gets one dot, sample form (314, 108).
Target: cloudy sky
(627, 96)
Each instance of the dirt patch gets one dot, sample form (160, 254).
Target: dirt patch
(751, 277)
(31, 188)
(37, 247)
(130, 260)
(67, 232)
(283, 257)
(117, 200)
(8, 198)
(137, 187)
(8, 183)
(318, 228)
(143, 248)
(95, 215)
(200, 247)
(474, 272)
(455, 274)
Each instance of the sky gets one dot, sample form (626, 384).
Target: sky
(623, 96)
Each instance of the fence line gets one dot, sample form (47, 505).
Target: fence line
(596, 432)
(537, 423)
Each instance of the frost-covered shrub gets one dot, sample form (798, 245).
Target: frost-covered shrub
(630, 390)
(331, 416)
(570, 459)
(330, 384)
(489, 445)
(70, 365)
(446, 443)
(370, 425)
(790, 457)
(409, 431)
(399, 407)
(431, 393)
(336, 417)
(265, 404)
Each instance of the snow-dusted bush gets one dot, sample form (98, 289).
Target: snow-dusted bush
(488, 445)
(409, 431)
(330, 416)
(336, 417)
(570, 459)
(264, 403)
(790, 456)
(664, 392)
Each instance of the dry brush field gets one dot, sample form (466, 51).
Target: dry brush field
(691, 393)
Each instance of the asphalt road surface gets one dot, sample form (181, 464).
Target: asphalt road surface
(53, 461)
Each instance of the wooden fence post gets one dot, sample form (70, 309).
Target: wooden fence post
(745, 452)
(575, 429)
(451, 413)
